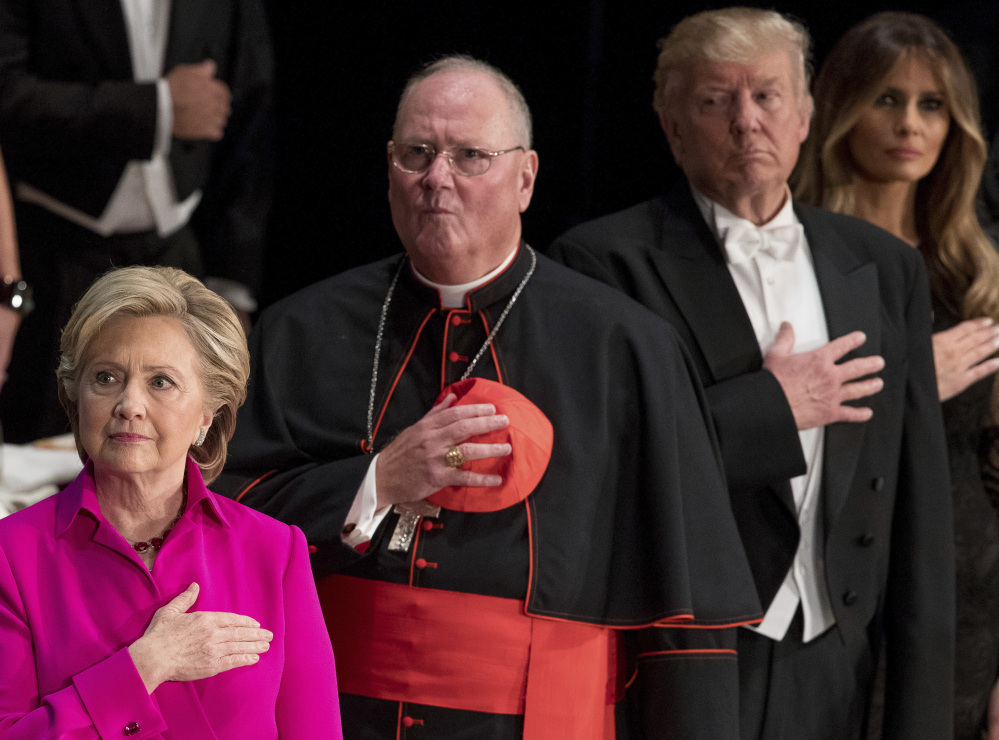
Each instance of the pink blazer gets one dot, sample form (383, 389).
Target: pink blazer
(74, 596)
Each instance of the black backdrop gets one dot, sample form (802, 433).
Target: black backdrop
(585, 67)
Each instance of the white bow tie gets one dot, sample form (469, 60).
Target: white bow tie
(743, 240)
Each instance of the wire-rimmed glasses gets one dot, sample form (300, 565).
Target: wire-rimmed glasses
(467, 161)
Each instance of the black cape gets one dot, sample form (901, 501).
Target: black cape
(630, 524)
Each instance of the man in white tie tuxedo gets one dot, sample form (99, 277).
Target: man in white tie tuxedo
(811, 332)
(135, 132)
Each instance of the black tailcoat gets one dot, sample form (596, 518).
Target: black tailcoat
(886, 507)
(72, 116)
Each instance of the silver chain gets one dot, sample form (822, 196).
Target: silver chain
(471, 365)
(378, 354)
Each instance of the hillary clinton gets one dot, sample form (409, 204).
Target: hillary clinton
(136, 603)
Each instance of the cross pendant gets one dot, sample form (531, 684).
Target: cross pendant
(409, 517)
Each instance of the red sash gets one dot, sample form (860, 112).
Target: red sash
(472, 652)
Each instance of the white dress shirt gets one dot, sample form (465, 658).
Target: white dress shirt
(145, 197)
(364, 514)
(778, 285)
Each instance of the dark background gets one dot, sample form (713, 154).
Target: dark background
(585, 67)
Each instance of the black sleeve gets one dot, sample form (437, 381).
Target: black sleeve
(59, 130)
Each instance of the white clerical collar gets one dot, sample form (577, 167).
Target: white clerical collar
(720, 219)
(453, 296)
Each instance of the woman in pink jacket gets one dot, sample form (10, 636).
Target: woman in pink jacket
(136, 603)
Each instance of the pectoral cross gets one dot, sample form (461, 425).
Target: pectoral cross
(409, 517)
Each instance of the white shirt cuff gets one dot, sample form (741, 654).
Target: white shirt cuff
(164, 118)
(364, 516)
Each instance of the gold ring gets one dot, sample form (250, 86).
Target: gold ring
(453, 458)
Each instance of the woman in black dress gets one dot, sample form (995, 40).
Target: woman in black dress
(896, 141)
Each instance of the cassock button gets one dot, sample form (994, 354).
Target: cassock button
(132, 728)
(427, 525)
(313, 549)
(878, 483)
(407, 721)
(456, 320)
(420, 563)
(850, 598)
(865, 540)
(453, 357)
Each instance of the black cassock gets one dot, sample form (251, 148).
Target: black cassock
(630, 525)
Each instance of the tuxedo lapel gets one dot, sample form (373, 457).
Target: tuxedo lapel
(104, 22)
(692, 266)
(189, 41)
(693, 269)
(851, 300)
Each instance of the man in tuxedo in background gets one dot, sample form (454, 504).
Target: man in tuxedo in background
(793, 315)
(135, 132)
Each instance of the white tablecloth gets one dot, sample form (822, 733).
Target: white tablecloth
(29, 473)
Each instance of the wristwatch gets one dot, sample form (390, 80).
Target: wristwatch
(15, 294)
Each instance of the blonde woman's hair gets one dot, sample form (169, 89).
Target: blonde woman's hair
(738, 35)
(963, 265)
(210, 324)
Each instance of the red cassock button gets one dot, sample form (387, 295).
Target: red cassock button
(427, 525)
(407, 721)
(313, 549)
(132, 728)
(455, 320)
(420, 563)
(454, 357)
